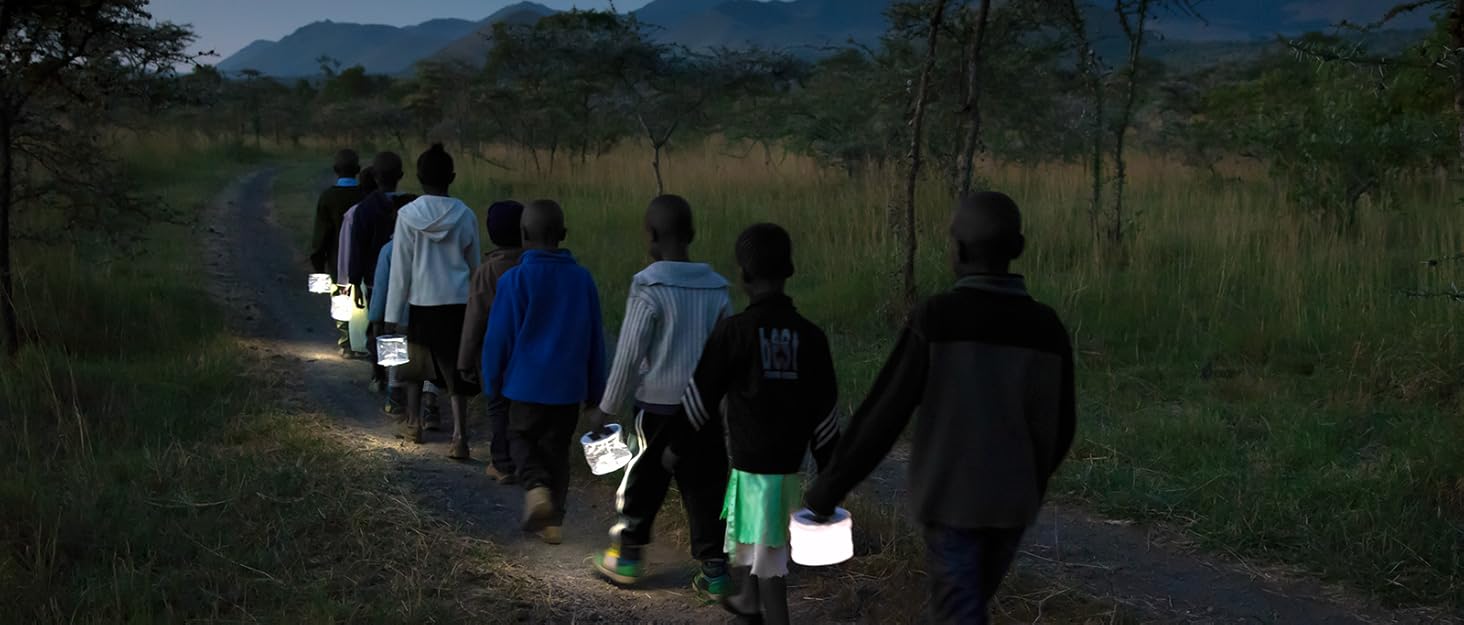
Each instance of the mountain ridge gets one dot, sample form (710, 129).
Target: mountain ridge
(800, 26)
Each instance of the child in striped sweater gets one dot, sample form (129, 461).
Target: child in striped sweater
(673, 306)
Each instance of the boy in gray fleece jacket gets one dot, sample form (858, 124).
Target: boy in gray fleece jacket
(673, 306)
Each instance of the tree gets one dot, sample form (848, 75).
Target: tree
(971, 105)
(64, 64)
(903, 202)
(1332, 132)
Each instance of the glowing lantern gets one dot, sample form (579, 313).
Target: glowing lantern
(342, 307)
(606, 453)
(391, 350)
(321, 283)
(821, 544)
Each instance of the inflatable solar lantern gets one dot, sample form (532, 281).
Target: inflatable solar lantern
(321, 283)
(821, 544)
(391, 350)
(606, 453)
(342, 307)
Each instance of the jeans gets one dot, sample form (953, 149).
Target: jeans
(966, 568)
(540, 437)
(700, 473)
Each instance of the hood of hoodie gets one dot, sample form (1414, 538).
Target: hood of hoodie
(681, 275)
(434, 215)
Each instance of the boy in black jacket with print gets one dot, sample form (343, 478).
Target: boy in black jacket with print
(775, 371)
(990, 371)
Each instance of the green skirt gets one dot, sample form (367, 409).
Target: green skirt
(758, 508)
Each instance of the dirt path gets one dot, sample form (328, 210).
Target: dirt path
(1153, 575)
(261, 273)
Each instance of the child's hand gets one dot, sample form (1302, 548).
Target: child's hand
(597, 419)
(669, 459)
(468, 375)
(360, 298)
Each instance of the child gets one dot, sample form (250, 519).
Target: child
(434, 252)
(343, 250)
(991, 371)
(774, 369)
(545, 353)
(330, 209)
(376, 313)
(371, 228)
(673, 306)
(505, 231)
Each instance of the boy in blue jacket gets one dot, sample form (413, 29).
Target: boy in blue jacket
(545, 352)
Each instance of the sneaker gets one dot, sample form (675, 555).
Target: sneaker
(711, 587)
(459, 450)
(551, 535)
(617, 569)
(504, 478)
(538, 507)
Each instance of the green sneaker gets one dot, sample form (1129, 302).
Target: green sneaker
(617, 569)
(711, 587)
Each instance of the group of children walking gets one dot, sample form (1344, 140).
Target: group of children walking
(726, 403)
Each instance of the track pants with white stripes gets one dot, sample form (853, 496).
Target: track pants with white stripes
(701, 476)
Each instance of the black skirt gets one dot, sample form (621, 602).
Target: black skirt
(433, 335)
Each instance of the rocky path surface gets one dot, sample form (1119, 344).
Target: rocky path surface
(260, 276)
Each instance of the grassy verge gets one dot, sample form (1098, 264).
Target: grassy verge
(146, 477)
(1247, 373)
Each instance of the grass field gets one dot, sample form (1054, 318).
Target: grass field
(149, 474)
(1247, 374)
(1251, 375)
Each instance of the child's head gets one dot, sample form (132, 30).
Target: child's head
(368, 179)
(435, 170)
(387, 167)
(986, 233)
(765, 254)
(347, 164)
(504, 223)
(669, 227)
(543, 225)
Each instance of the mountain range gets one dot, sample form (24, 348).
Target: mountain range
(802, 26)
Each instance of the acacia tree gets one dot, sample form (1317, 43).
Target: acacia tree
(901, 208)
(971, 103)
(64, 65)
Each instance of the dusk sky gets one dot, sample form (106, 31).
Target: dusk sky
(225, 26)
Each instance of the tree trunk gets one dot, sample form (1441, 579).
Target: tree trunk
(9, 332)
(1135, 34)
(913, 158)
(656, 165)
(966, 166)
(1456, 35)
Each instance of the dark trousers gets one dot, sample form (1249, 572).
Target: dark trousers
(966, 567)
(539, 442)
(701, 475)
(501, 455)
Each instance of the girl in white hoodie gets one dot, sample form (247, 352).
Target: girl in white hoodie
(435, 250)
